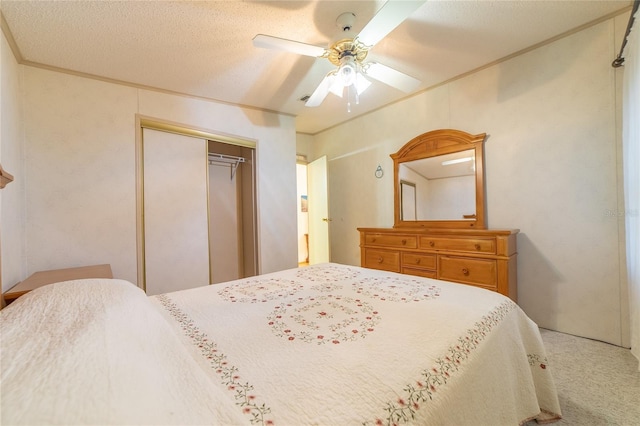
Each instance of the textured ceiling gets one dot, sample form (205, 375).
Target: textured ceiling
(204, 48)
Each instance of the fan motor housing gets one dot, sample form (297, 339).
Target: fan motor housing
(347, 46)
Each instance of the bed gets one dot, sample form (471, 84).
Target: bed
(327, 344)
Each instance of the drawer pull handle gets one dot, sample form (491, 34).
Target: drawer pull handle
(465, 271)
(431, 243)
(404, 242)
(417, 261)
(373, 240)
(477, 246)
(380, 259)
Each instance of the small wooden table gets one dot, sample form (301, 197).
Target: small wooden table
(38, 279)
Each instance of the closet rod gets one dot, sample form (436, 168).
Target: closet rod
(231, 160)
(619, 61)
(224, 157)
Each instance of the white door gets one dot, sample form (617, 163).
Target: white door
(318, 211)
(176, 237)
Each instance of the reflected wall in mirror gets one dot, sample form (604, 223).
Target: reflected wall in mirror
(439, 181)
(444, 187)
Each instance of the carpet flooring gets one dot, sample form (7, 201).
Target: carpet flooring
(598, 383)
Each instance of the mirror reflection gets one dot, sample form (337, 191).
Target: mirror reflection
(442, 187)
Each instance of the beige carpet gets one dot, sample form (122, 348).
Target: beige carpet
(598, 383)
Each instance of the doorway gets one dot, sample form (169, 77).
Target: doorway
(303, 211)
(314, 218)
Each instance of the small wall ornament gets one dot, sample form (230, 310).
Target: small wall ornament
(379, 172)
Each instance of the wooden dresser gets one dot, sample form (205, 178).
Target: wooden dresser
(481, 257)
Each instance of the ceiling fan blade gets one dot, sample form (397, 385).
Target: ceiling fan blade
(321, 91)
(269, 42)
(392, 14)
(391, 77)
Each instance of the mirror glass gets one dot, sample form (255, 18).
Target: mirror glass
(441, 187)
(439, 181)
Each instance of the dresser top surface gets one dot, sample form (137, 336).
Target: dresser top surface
(433, 231)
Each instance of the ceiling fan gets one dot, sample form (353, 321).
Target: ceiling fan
(348, 54)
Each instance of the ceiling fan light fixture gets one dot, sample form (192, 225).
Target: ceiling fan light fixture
(349, 53)
(356, 81)
(348, 69)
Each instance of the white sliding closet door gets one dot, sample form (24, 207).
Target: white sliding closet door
(176, 237)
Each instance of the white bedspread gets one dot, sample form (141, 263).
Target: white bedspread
(338, 345)
(323, 345)
(97, 352)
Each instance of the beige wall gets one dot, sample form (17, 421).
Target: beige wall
(551, 171)
(80, 180)
(12, 227)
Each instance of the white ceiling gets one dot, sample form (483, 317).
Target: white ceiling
(204, 48)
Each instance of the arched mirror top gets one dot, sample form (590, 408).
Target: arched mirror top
(439, 181)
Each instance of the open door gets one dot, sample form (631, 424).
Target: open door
(318, 211)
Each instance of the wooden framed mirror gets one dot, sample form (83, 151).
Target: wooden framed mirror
(446, 171)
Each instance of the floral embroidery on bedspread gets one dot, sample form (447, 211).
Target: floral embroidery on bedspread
(327, 278)
(324, 318)
(404, 408)
(259, 290)
(396, 289)
(327, 273)
(535, 359)
(228, 374)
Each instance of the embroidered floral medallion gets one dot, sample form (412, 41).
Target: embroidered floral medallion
(324, 319)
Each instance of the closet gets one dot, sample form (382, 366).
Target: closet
(197, 212)
(231, 207)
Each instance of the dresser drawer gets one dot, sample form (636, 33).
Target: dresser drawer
(480, 272)
(473, 245)
(392, 241)
(418, 260)
(419, 272)
(386, 260)
(480, 257)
